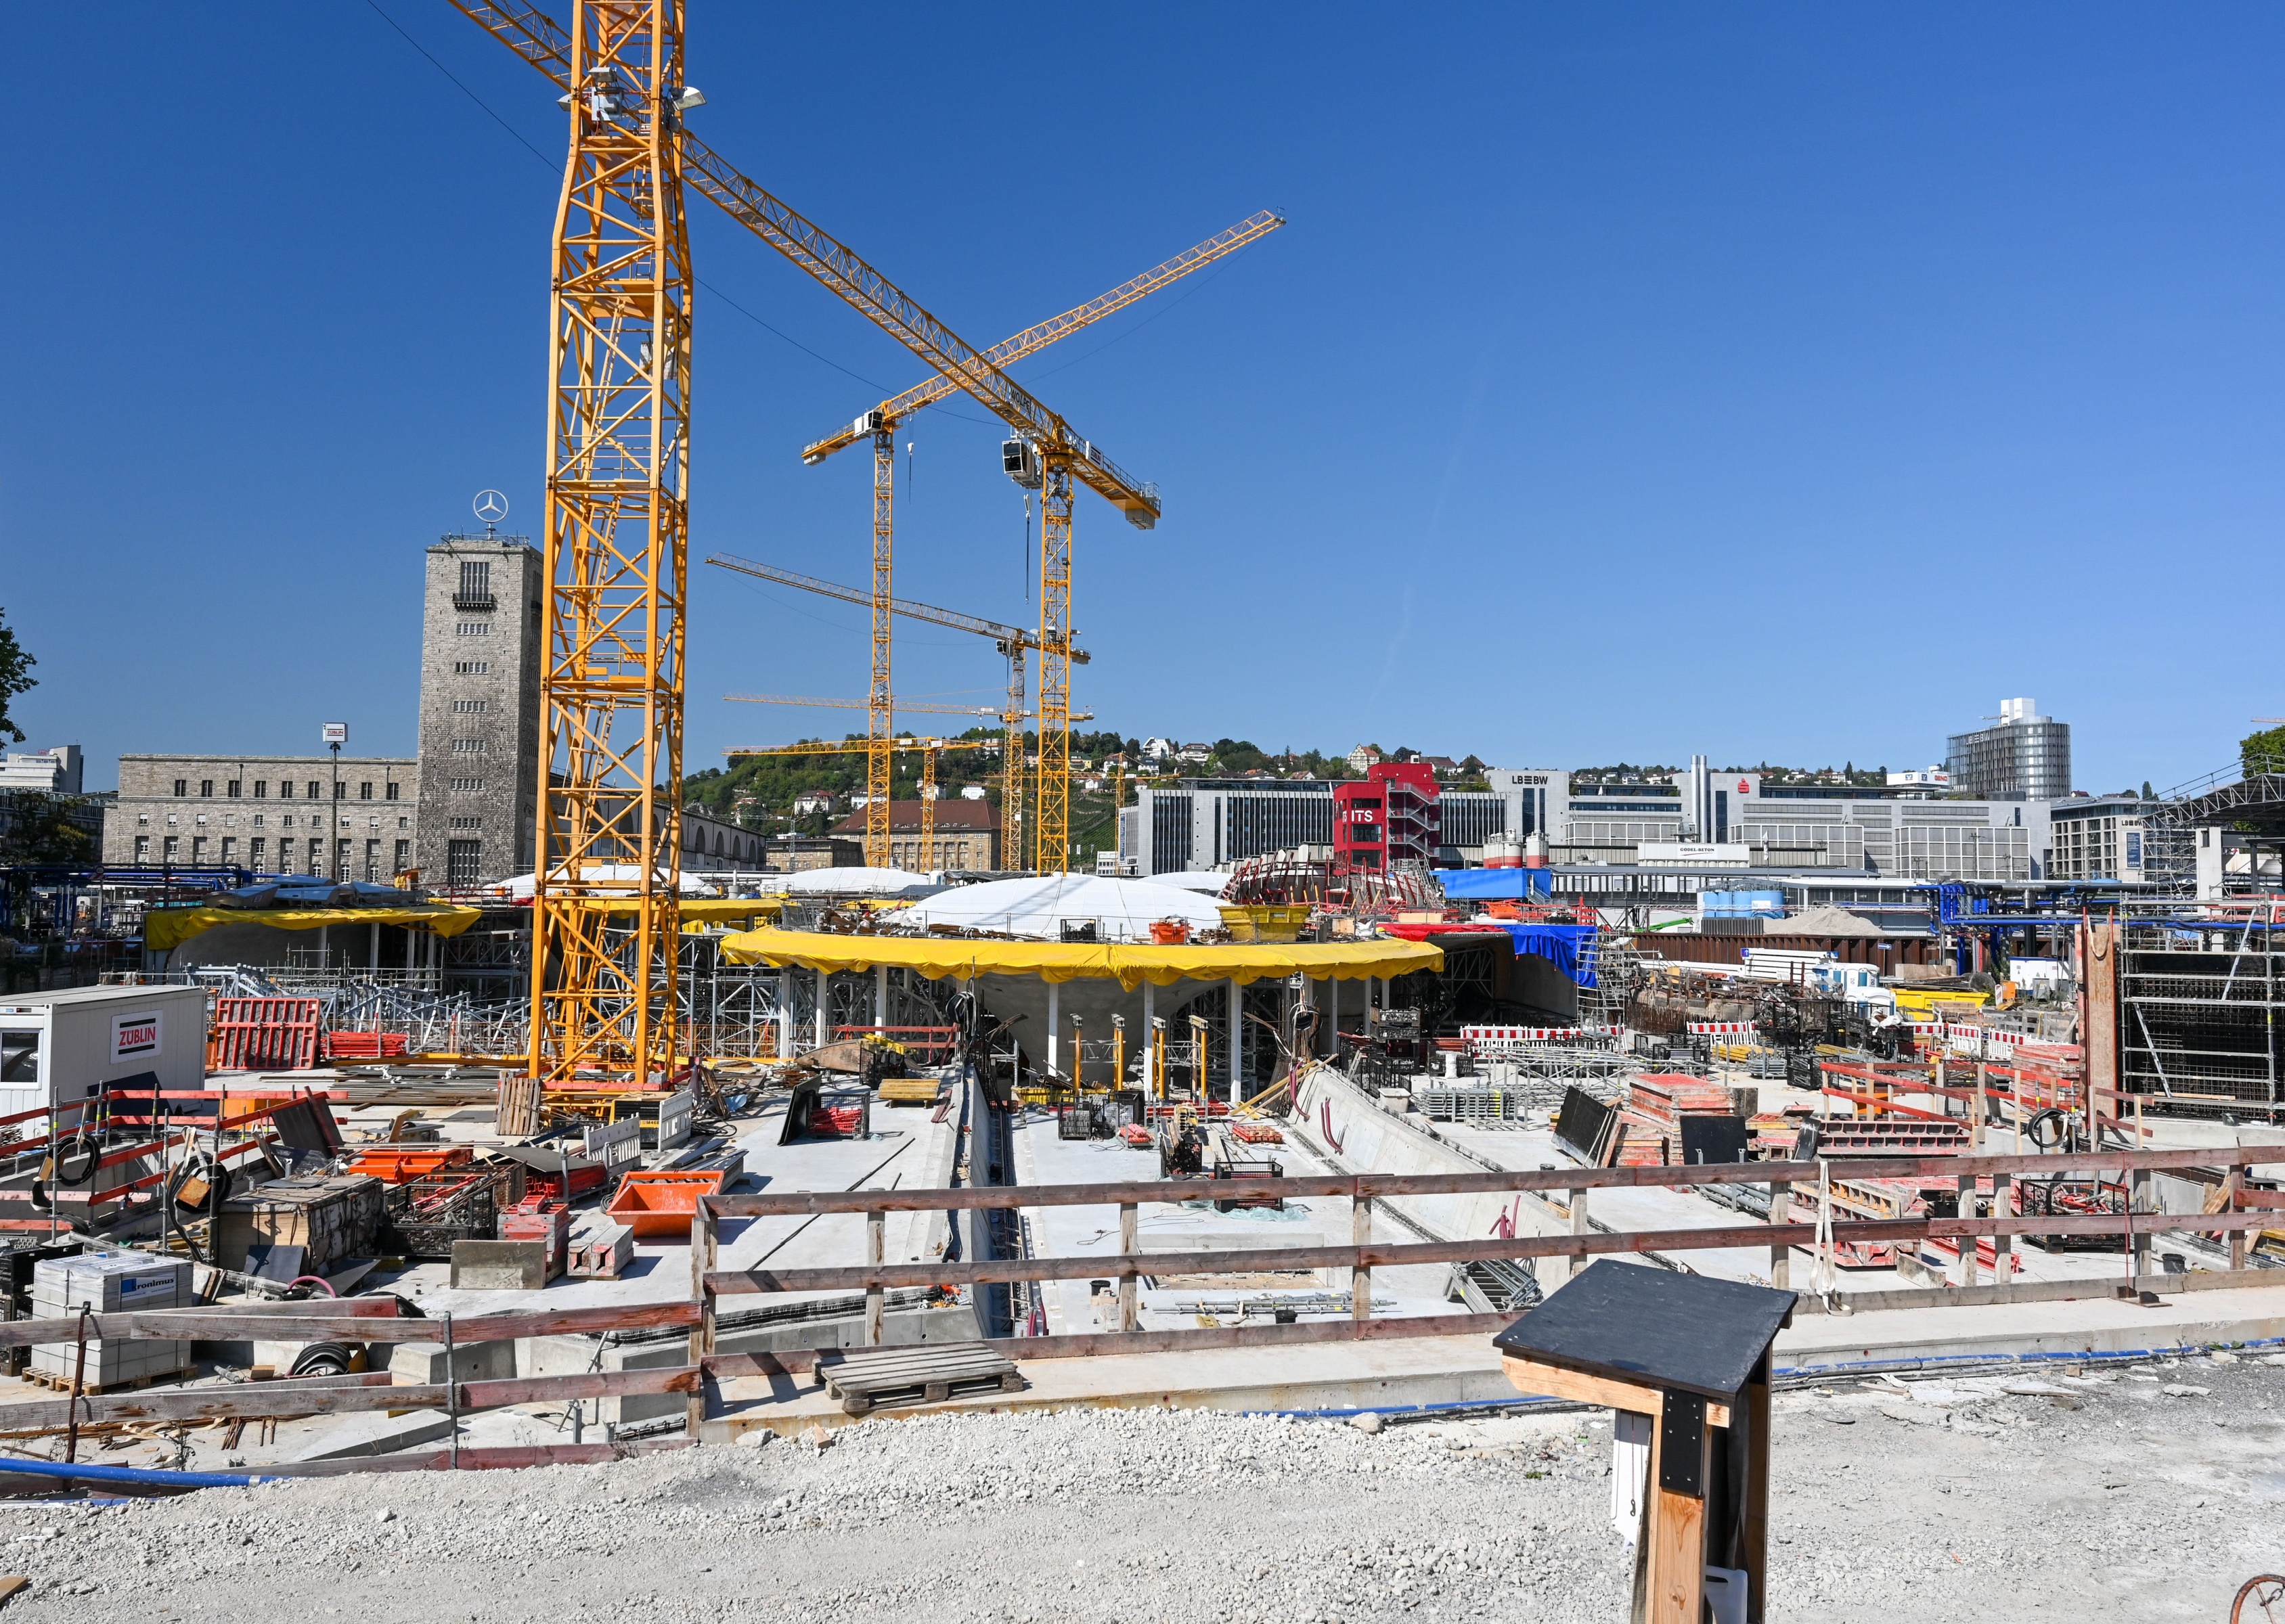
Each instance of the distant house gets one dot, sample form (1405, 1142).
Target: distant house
(813, 801)
(973, 792)
(1195, 754)
(1443, 767)
(966, 836)
(1116, 758)
(1157, 750)
(1364, 755)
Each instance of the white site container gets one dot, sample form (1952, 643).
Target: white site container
(59, 1048)
(110, 1283)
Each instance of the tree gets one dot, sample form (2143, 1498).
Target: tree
(14, 663)
(2262, 752)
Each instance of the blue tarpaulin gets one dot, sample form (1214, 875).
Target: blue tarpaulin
(1492, 884)
(1570, 949)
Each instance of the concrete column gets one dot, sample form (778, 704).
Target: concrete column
(373, 948)
(1055, 1021)
(880, 995)
(1332, 1044)
(824, 1005)
(1149, 1043)
(785, 1013)
(1237, 1040)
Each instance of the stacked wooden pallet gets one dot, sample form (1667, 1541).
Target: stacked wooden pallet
(926, 1373)
(1656, 1103)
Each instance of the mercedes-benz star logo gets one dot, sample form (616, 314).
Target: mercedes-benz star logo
(490, 506)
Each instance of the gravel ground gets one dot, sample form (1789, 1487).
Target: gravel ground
(2153, 1491)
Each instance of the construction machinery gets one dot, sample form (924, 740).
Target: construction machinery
(880, 425)
(930, 749)
(604, 997)
(1013, 641)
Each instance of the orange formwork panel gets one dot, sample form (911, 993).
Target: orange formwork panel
(263, 1034)
(659, 1205)
(402, 1164)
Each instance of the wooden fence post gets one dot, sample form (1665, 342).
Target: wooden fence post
(1130, 1243)
(1963, 1271)
(2230, 1183)
(2003, 1246)
(1780, 1255)
(705, 1238)
(1361, 1272)
(876, 1297)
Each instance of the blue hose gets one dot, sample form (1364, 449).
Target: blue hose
(149, 1476)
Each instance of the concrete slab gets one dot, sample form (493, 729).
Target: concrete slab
(1445, 1372)
(377, 1433)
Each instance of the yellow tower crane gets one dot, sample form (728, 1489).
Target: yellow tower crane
(880, 425)
(928, 807)
(929, 749)
(611, 693)
(1013, 641)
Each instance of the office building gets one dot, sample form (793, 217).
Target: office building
(965, 835)
(1732, 819)
(2024, 758)
(51, 771)
(2096, 837)
(346, 817)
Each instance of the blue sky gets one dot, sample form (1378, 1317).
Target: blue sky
(1785, 382)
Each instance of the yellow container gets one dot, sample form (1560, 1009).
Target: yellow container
(1264, 921)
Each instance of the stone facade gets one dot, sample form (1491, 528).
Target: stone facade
(966, 836)
(482, 640)
(357, 818)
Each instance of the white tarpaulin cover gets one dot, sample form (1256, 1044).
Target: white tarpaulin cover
(1121, 910)
(623, 875)
(1205, 882)
(841, 882)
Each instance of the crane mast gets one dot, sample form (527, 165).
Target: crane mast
(881, 721)
(616, 525)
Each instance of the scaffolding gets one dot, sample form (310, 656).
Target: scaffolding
(2199, 1015)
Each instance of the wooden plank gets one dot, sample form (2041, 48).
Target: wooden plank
(254, 1400)
(997, 1271)
(1093, 1345)
(1551, 1381)
(306, 1322)
(804, 1204)
(471, 1459)
(1678, 1554)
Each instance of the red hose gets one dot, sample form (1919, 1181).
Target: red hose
(312, 1279)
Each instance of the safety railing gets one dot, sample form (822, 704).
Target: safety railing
(1978, 1179)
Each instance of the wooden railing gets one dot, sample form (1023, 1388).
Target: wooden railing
(1977, 1179)
(1780, 1233)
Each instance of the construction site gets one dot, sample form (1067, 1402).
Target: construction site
(1319, 1233)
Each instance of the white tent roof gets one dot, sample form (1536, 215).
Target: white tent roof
(1204, 880)
(1122, 910)
(519, 889)
(843, 882)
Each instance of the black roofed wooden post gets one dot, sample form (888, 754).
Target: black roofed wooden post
(1693, 1353)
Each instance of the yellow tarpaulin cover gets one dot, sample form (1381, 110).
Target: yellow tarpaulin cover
(167, 928)
(939, 957)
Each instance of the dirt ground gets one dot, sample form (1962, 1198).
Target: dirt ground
(2147, 1492)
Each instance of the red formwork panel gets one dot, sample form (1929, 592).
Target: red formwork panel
(263, 1034)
